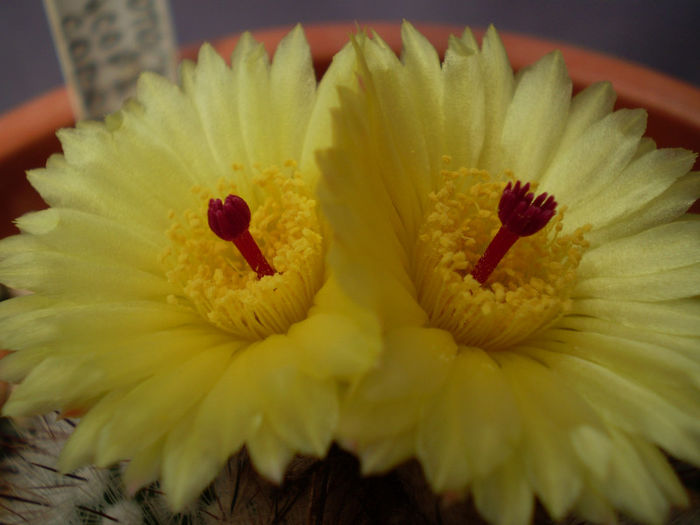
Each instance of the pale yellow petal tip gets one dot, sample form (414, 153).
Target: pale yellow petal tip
(207, 52)
(407, 27)
(39, 222)
(270, 470)
(296, 32)
(14, 408)
(180, 492)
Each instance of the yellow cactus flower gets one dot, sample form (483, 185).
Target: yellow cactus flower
(555, 366)
(144, 320)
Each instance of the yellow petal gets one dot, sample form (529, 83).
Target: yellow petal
(390, 399)
(211, 86)
(464, 104)
(557, 432)
(499, 85)
(646, 362)
(152, 408)
(677, 317)
(318, 138)
(71, 231)
(80, 448)
(471, 426)
(398, 150)
(188, 467)
(372, 269)
(354, 345)
(587, 107)
(594, 160)
(670, 284)
(383, 455)
(302, 410)
(77, 377)
(631, 407)
(664, 247)
(536, 117)
(686, 346)
(670, 205)
(424, 76)
(269, 453)
(504, 497)
(644, 179)
(594, 506)
(143, 468)
(293, 93)
(26, 264)
(631, 486)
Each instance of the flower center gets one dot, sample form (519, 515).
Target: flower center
(231, 284)
(474, 280)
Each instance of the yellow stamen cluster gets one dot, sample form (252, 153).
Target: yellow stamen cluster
(216, 280)
(530, 287)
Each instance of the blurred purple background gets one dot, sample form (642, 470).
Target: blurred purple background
(661, 35)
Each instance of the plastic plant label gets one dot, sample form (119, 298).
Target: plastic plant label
(103, 46)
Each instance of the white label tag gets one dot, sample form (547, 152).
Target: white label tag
(104, 45)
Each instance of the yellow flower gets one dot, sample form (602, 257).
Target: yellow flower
(151, 325)
(560, 375)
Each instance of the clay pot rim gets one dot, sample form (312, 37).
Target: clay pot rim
(656, 92)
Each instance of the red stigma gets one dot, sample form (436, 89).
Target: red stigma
(521, 214)
(230, 221)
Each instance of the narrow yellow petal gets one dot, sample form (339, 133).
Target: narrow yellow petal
(686, 346)
(81, 447)
(317, 138)
(464, 104)
(644, 179)
(269, 453)
(677, 317)
(587, 107)
(631, 487)
(423, 74)
(390, 398)
(65, 230)
(499, 85)
(663, 286)
(471, 426)
(594, 160)
(82, 374)
(536, 117)
(302, 410)
(293, 93)
(504, 497)
(594, 506)
(670, 205)
(629, 406)
(230, 395)
(151, 409)
(647, 362)
(355, 345)
(213, 93)
(188, 467)
(665, 247)
(558, 432)
(383, 455)
(251, 71)
(143, 468)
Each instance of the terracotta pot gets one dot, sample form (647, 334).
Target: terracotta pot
(27, 134)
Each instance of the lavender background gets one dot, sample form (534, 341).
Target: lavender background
(659, 34)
